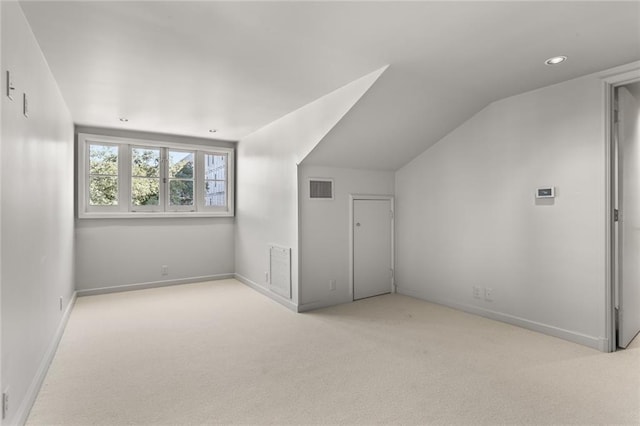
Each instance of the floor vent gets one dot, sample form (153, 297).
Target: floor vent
(321, 189)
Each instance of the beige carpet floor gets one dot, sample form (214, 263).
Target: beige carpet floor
(221, 353)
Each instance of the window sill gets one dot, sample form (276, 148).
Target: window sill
(147, 215)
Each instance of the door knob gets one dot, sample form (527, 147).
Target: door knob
(358, 224)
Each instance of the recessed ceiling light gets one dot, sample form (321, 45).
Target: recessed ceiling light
(124, 120)
(555, 60)
(213, 130)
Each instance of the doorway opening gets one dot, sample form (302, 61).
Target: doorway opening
(626, 204)
(623, 296)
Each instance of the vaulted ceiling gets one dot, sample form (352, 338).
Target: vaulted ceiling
(184, 68)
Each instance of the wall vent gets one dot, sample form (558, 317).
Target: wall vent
(280, 270)
(321, 189)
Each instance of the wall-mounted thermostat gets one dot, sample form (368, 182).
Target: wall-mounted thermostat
(547, 192)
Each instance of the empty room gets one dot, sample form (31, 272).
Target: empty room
(319, 212)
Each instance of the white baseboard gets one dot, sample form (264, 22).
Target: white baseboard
(306, 307)
(34, 388)
(152, 284)
(276, 297)
(604, 345)
(572, 336)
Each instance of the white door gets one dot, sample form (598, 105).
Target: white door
(628, 297)
(372, 269)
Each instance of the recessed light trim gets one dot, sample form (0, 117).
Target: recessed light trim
(124, 120)
(555, 60)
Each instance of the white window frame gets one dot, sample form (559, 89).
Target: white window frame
(124, 208)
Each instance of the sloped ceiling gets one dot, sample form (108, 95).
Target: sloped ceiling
(187, 67)
(634, 88)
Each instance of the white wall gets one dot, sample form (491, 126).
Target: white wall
(113, 254)
(130, 252)
(36, 214)
(466, 214)
(266, 205)
(266, 181)
(324, 231)
(2, 82)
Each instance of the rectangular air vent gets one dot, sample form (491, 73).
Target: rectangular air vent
(320, 189)
(280, 270)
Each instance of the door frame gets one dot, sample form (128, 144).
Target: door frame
(352, 199)
(611, 79)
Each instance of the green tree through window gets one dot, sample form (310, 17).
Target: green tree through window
(103, 175)
(181, 178)
(145, 176)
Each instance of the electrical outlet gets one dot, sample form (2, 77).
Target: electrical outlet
(60, 302)
(477, 291)
(5, 403)
(332, 285)
(164, 270)
(488, 294)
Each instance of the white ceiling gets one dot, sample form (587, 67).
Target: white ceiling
(186, 67)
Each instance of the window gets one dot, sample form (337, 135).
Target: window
(181, 179)
(121, 177)
(103, 175)
(215, 179)
(145, 179)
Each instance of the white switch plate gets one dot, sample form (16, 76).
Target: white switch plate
(10, 86)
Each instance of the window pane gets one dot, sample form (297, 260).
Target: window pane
(103, 191)
(145, 191)
(145, 162)
(215, 166)
(181, 164)
(103, 160)
(215, 193)
(181, 192)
